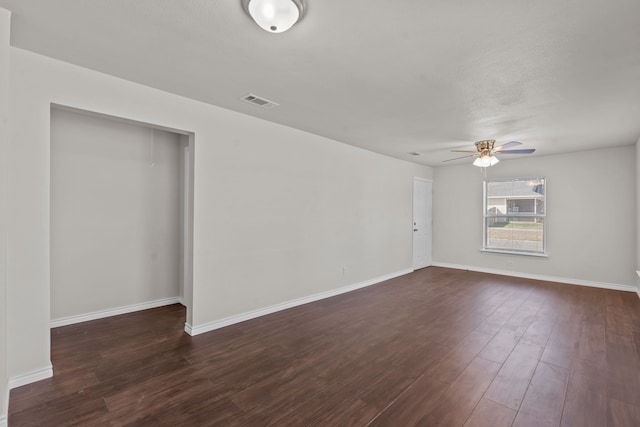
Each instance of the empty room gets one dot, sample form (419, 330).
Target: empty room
(319, 213)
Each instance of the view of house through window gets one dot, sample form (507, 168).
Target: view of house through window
(514, 215)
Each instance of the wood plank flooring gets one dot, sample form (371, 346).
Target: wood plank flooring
(437, 347)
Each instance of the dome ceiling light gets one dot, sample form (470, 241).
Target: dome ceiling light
(274, 16)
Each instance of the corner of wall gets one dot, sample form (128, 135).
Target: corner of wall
(637, 170)
(4, 417)
(5, 35)
(31, 377)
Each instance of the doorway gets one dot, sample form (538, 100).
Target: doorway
(422, 219)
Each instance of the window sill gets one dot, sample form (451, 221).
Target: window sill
(506, 252)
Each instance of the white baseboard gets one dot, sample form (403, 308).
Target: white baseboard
(64, 321)
(188, 329)
(30, 377)
(3, 421)
(604, 285)
(217, 324)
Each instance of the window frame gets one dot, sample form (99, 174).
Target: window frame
(486, 216)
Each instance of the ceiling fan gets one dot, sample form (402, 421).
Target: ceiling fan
(486, 149)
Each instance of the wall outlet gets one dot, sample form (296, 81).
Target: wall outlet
(344, 271)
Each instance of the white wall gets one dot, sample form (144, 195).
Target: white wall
(296, 216)
(277, 212)
(586, 240)
(5, 25)
(114, 214)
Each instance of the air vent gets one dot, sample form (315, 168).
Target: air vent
(260, 102)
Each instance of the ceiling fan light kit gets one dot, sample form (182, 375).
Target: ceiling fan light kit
(485, 161)
(274, 16)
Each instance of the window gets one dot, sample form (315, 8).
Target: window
(514, 216)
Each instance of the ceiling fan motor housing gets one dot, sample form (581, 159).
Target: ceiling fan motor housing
(485, 147)
(486, 144)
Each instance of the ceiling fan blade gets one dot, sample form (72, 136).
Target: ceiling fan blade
(458, 158)
(507, 145)
(523, 151)
(464, 151)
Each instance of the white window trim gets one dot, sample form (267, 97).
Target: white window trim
(521, 253)
(486, 249)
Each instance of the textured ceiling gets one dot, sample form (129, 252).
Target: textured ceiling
(392, 77)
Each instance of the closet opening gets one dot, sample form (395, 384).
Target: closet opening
(121, 205)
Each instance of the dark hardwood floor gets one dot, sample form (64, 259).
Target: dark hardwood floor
(436, 347)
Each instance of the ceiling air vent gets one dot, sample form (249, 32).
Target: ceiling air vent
(260, 102)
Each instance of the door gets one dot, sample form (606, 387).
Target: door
(421, 223)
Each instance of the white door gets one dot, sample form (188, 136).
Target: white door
(421, 223)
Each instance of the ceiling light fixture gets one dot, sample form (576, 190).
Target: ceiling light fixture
(485, 160)
(274, 16)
